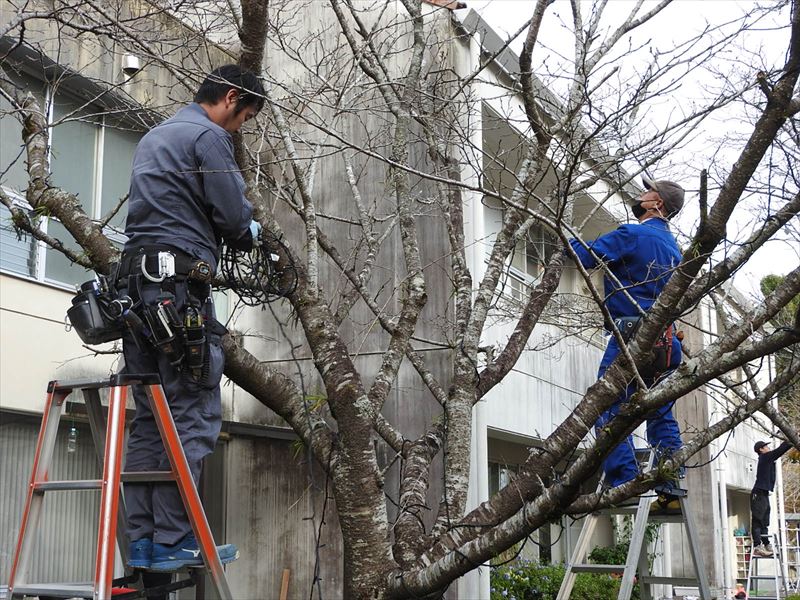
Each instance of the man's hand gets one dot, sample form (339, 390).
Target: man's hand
(255, 231)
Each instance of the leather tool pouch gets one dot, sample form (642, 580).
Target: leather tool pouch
(661, 353)
(91, 316)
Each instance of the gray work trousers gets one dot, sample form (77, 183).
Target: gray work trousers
(156, 510)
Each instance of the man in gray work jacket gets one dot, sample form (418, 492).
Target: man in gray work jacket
(186, 198)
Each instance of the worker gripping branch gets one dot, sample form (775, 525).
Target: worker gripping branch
(642, 257)
(186, 197)
(759, 496)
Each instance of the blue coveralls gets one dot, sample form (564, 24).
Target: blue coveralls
(186, 193)
(642, 256)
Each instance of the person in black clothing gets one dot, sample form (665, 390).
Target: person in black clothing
(759, 497)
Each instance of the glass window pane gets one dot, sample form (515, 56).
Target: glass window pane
(13, 174)
(17, 252)
(72, 155)
(518, 257)
(57, 266)
(118, 148)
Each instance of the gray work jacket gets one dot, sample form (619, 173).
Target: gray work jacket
(186, 190)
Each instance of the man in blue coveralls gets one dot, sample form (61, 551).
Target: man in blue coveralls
(642, 256)
(186, 197)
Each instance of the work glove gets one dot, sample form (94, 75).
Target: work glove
(255, 231)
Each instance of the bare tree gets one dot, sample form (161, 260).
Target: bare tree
(376, 96)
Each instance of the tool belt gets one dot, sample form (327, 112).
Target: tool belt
(173, 323)
(158, 262)
(105, 307)
(661, 353)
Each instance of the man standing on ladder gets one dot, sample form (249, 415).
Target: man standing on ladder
(642, 256)
(186, 196)
(759, 497)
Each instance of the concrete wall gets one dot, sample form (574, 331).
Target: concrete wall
(99, 57)
(276, 506)
(36, 347)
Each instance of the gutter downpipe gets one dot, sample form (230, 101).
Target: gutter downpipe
(719, 485)
(477, 583)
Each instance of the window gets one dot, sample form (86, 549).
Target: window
(73, 148)
(13, 176)
(58, 268)
(527, 262)
(119, 145)
(17, 251)
(533, 251)
(90, 156)
(499, 476)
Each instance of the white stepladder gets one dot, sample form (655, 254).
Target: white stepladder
(776, 580)
(636, 563)
(108, 441)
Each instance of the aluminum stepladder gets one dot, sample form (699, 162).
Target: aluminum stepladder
(637, 560)
(777, 577)
(111, 508)
(793, 558)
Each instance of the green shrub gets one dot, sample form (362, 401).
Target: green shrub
(610, 555)
(527, 580)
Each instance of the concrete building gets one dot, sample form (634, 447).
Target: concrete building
(259, 489)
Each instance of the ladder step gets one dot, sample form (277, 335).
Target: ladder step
(590, 568)
(618, 510)
(74, 484)
(683, 581)
(632, 510)
(96, 484)
(667, 518)
(120, 379)
(146, 476)
(57, 590)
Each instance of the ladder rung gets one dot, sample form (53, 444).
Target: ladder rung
(74, 484)
(96, 484)
(618, 510)
(58, 590)
(146, 476)
(588, 568)
(685, 581)
(667, 518)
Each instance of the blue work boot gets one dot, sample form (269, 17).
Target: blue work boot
(186, 553)
(140, 553)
